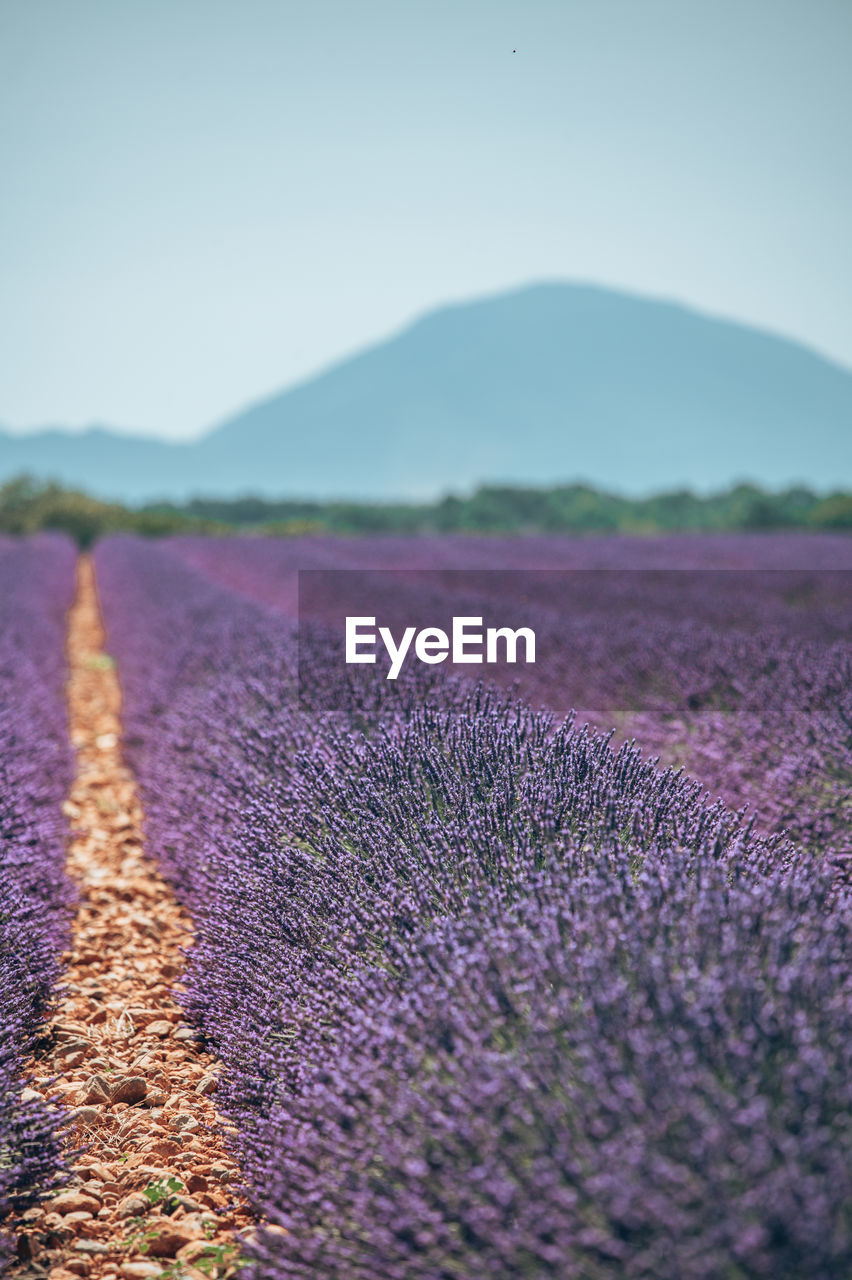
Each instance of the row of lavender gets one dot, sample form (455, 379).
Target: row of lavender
(494, 999)
(36, 585)
(728, 655)
(265, 568)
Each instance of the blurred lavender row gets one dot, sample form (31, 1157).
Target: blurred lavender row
(493, 997)
(730, 655)
(36, 588)
(264, 569)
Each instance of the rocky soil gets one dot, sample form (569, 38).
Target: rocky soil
(152, 1186)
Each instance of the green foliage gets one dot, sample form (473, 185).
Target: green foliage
(510, 509)
(162, 1189)
(217, 1262)
(26, 505)
(834, 512)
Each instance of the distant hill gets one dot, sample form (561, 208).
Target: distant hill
(550, 383)
(112, 465)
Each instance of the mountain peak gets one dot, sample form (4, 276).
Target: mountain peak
(545, 383)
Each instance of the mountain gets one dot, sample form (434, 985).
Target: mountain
(101, 461)
(549, 383)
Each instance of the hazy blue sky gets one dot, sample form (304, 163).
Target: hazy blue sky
(203, 201)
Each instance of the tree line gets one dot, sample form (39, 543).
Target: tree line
(28, 505)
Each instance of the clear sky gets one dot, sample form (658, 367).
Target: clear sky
(203, 201)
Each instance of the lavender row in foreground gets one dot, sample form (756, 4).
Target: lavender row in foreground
(36, 585)
(493, 999)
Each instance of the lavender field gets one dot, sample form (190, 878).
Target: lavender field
(497, 993)
(36, 584)
(512, 971)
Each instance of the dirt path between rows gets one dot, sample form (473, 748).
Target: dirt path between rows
(151, 1186)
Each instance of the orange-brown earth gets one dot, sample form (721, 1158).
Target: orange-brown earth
(151, 1190)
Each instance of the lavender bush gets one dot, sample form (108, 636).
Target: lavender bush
(617, 1078)
(494, 998)
(36, 584)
